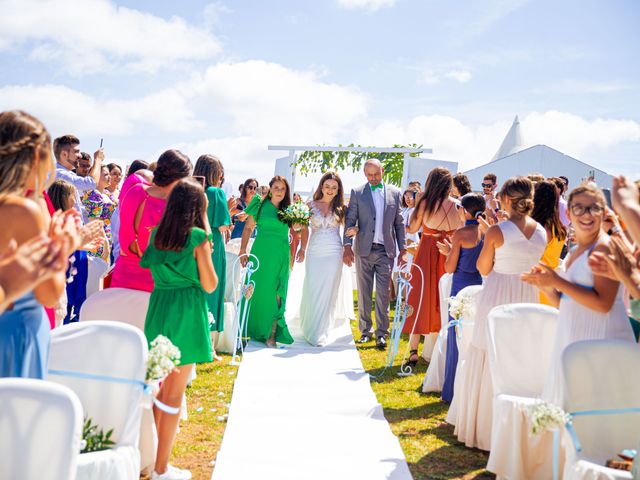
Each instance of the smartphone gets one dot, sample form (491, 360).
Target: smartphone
(497, 209)
(101, 142)
(198, 179)
(414, 194)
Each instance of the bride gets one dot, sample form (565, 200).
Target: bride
(323, 261)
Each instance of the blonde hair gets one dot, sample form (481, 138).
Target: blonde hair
(520, 191)
(22, 138)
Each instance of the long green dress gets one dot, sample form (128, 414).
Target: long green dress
(178, 306)
(218, 214)
(271, 247)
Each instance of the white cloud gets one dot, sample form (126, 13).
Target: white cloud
(460, 76)
(576, 136)
(434, 75)
(63, 109)
(473, 145)
(269, 100)
(90, 36)
(371, 5)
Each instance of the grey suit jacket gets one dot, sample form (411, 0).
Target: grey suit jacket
(362, 214)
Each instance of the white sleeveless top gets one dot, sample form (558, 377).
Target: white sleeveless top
(518, 254)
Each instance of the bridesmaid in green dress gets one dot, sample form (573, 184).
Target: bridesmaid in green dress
(210, 168)
(271, 247)
(179, 256)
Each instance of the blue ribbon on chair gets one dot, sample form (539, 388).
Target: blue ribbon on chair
(574, 436)
(146, 388)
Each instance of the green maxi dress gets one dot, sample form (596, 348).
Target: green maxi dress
(218, 214)
(178, 306)
(271, 247)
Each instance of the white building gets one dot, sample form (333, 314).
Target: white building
(512, 158)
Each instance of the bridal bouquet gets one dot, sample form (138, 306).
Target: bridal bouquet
(462, 306)
(164, 356)
(296, 215)
(546, 416)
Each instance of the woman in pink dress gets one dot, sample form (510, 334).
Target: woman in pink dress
(140, 211)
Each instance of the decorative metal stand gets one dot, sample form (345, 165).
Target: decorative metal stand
(402, 309)
(243, 303)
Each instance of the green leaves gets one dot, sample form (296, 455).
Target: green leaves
(312, 161)
(95, 438)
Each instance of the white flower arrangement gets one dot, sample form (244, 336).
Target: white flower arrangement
(164, 356)
(462, 306)
(296, 214)
(546, 416)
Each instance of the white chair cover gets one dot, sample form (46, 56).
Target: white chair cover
(97, 269)
(463, 340)
(109, 349)
(520, 343)
(40, 430)
(433, 341)
(117, 304)
(126, 306)
(599, 375)
(227, 338)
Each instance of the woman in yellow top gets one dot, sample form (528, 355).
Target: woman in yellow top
(547, 213)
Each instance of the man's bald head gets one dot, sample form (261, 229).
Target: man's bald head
(373, 170)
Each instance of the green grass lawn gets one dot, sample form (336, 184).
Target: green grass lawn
(417, 419)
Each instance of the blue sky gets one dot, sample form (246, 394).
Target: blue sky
(231, 78)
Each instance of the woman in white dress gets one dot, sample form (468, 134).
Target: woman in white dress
(323, 261)
(510, 249)
(591, 306)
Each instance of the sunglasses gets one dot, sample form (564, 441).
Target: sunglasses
(579, 210)
(251, 187)
(487, 185)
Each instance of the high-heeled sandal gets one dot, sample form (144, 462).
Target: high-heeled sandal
(412, 363)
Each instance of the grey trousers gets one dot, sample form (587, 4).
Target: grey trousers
(379, 264)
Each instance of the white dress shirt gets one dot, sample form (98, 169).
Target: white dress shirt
(378, 203)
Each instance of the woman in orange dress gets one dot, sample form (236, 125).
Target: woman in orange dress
(437, 214)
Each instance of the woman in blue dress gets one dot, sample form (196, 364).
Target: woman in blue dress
(249, 189)
(462, 254)
(25, 165)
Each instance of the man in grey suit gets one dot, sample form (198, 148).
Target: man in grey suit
(374, 218)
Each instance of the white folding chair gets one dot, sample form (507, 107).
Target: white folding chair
(123, 305)
(520, 343)
(436, 341)
(599, 376)
(104, 363)
(40, 430)
(463, 340)
(128, 306)
(434, 376)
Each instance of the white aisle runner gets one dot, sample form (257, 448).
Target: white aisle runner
(304, 412)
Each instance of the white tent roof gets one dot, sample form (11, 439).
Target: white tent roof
(512, 143)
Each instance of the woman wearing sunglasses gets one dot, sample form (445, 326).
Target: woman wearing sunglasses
(591, 306)
(249, 189)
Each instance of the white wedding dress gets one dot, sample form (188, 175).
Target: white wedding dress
(323, 273)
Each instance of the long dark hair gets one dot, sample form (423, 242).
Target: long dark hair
(545, 208)
(209, 167)
(246, 184)
(436, 190)
(137, 165)
(286, 201)
(462, 183)
(184, 210)
(172, 165)
(337, 204)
